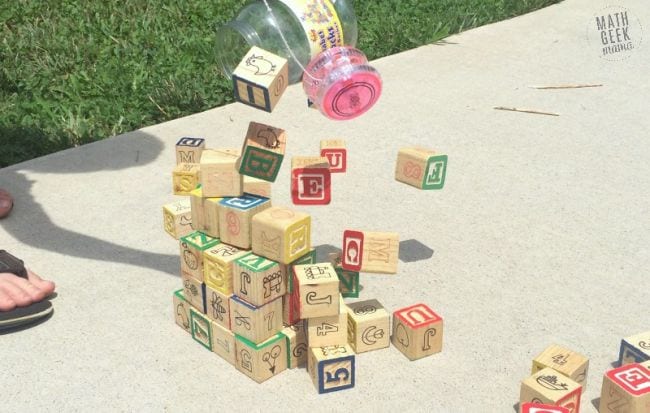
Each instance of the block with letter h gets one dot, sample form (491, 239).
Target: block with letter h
(235, 215)
(366, 251)
(336, 154)
(311, 180)
(635, 349)
(417, 331)
(317, 288)
(626, 389)
(281, 234)
(188, 150)
(550, 387)
(332, 368)
(421, 168)
(258, 280)
(263, 151)
(260, 79)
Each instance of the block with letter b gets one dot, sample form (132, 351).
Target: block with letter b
(181, 310)
(542, 408)
(366, 251)
(317, 287)
(188, 150)
(336, 154)
(310, 180)
(192, 247)
(261, 361)
(281, 234)
(296, 337)
(260, 79)
(421, 168)
(219, 174)
(258, 280)
(235, 215)
(635, 349)
(218, 262)
(626, 389)
(570, 363)
(263, 151)
(255, 323)
(417, 331)
(186, 177)
(331, 368)
(177, 218)
(368, 326)
(550, 387)
(329, 330)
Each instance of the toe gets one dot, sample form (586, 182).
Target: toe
(14, 292)
(34, 292)
(6, 303)
(47, 287)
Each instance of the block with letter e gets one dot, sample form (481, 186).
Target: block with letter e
(317, 287)
(417, 331)
(260, 79)
(261, 361)
(366, 251)
(635, 349)
(331, 368)
(421, 168)
(235, 215)
(281, 234)
(542, 408)
(626, 389)
(550, 387)
(188, 150)
(310, 180)
(336, 154)
(263, 151)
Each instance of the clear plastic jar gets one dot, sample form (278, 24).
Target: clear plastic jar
(304, 25)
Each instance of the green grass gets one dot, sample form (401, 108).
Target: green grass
(73, 72)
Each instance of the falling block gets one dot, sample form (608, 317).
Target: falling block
(317, 286)
(263, 151)
(192, 247)
(571, 364)
(550, 387)
(181, 310)
(626, 389)
(281, 234)
(177, 218)
(311, 180)
(261, 361)
(635, 349)
(194, 292)
(260, 79)
(235, 215)
(201, 328)
(417, 331)
(255, 323)
(188, 150)
(329, 330)
(348, 280)
(258, 280)
(219, 174)
(331, 368)
(421, 168)
(217, 306)
(366, 251)
(296, 338)
(541, 408)
(217, 270)
(336, 154)
(368, 326)
(205, 214)
(256, 186)
(186, 177)
(223, 343)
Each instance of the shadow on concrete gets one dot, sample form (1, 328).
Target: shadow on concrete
(412, 250)
(596, 403)
(516, 407)
(323, 251)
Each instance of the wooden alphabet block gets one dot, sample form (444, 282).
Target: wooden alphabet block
(421, 168)
(188, 150)
(201, 328)
(194, 292)
(542, 408)
(291, 306)
(235, 217)
(258, 280)
(255, 323)
(281, 234)
(417, 331)
(328, 330)
(309, 258)
(331, 368)
(177, 218)
(635, 349)
(219, 174)
(205, 214)
(181, 310)
(318, 290)
(217, 306)
(223, 343)
(255, 186)
(550, 387)
(218, 266)
(336, 154)
(186, 177)
(263, 151)
(366, 251)
(348, 280)
(260, 79)
(297, 344)
(571, 364)
(192, 247)
(626, 389)
(261, 361)
(310, 180)
(368, 326)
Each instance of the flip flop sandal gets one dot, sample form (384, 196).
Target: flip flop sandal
(6, 203)
(22, 316)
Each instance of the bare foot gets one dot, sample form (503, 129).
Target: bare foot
(16, 291)
(6, 203)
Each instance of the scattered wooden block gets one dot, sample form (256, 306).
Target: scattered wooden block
(192, 247)
(201, 328)
(635, 349)
(348, 280)
(261, 361)
(626, 389)
(263, 151)
(542, 408)
(417, 331)
(219, 175)
(217, 306)
(366, 251)
(328, 330)
(235, 216)
(181, 310)
(177, 218)
(421, 168)
(336, 154)
(309, 258)
(205, 215)
(255, 323)
(317, 286)
(186, 177)
(331, 368)
(550, 387)
(258, 280)
(297, 345)
(223, 343)
(194, 292)
(281, 234)
(255, 186)
(188, 150)
(260, 79)
(571, 364)
(368, 326)
(310, 180)
(218, 262)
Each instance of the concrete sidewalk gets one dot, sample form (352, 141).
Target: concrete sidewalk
(541, 234)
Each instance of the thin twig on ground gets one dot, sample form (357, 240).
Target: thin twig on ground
(536, 112)
(571, 86)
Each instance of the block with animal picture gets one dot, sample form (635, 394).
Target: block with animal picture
(317, 287)
(205, 213)
(263, 151)
(255, 323)
(256, 186)
(331, 368)
(260, 79)
(421, 168)
(185, 176)
(201, 328)
(366, 251)
(634, 349)
(217, 306)
(223, 343)
(189, 149)
(281, 234)
(219, 174)
(626, 389)
(181, 310)
(568, 362)
(177, 218)
(348, 280)
(194, 292)
(261, 361)
(258, 280)
(311, 180)
(550, 387)
(336, 153)
(328, 330)
(368, 326)
(417, 331)
(296, 338)
(534, 407)
(192, 247)
(235, 218)
(218, 262)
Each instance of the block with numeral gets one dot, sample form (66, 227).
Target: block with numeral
(311, 180)
(417, 331)
(181, 310)
(331, 368)
(263, 151)
(205, 213)
(317, 286)
(281, 234)
(219, 174)
(368, 326)
(217, 306)
(201, 328)
(336, 154)
(235, 215)
(309, 258)
(217, 263)
(223, 343)
(296, 344)
(329, 330)
(256, 186)
(260, 79)
(550, 387)
(261, 361)
(188, 150)
(571, 364)
(348, 280)
(255, 323)
(186, 177)
(421, 168)
(192, 247)
(635, 349)
(367, 251)
(177, 218)
(626, 389)
(542, 408)
(194, 292)
(258, 280)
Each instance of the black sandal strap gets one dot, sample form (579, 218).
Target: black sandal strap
(11, 264)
